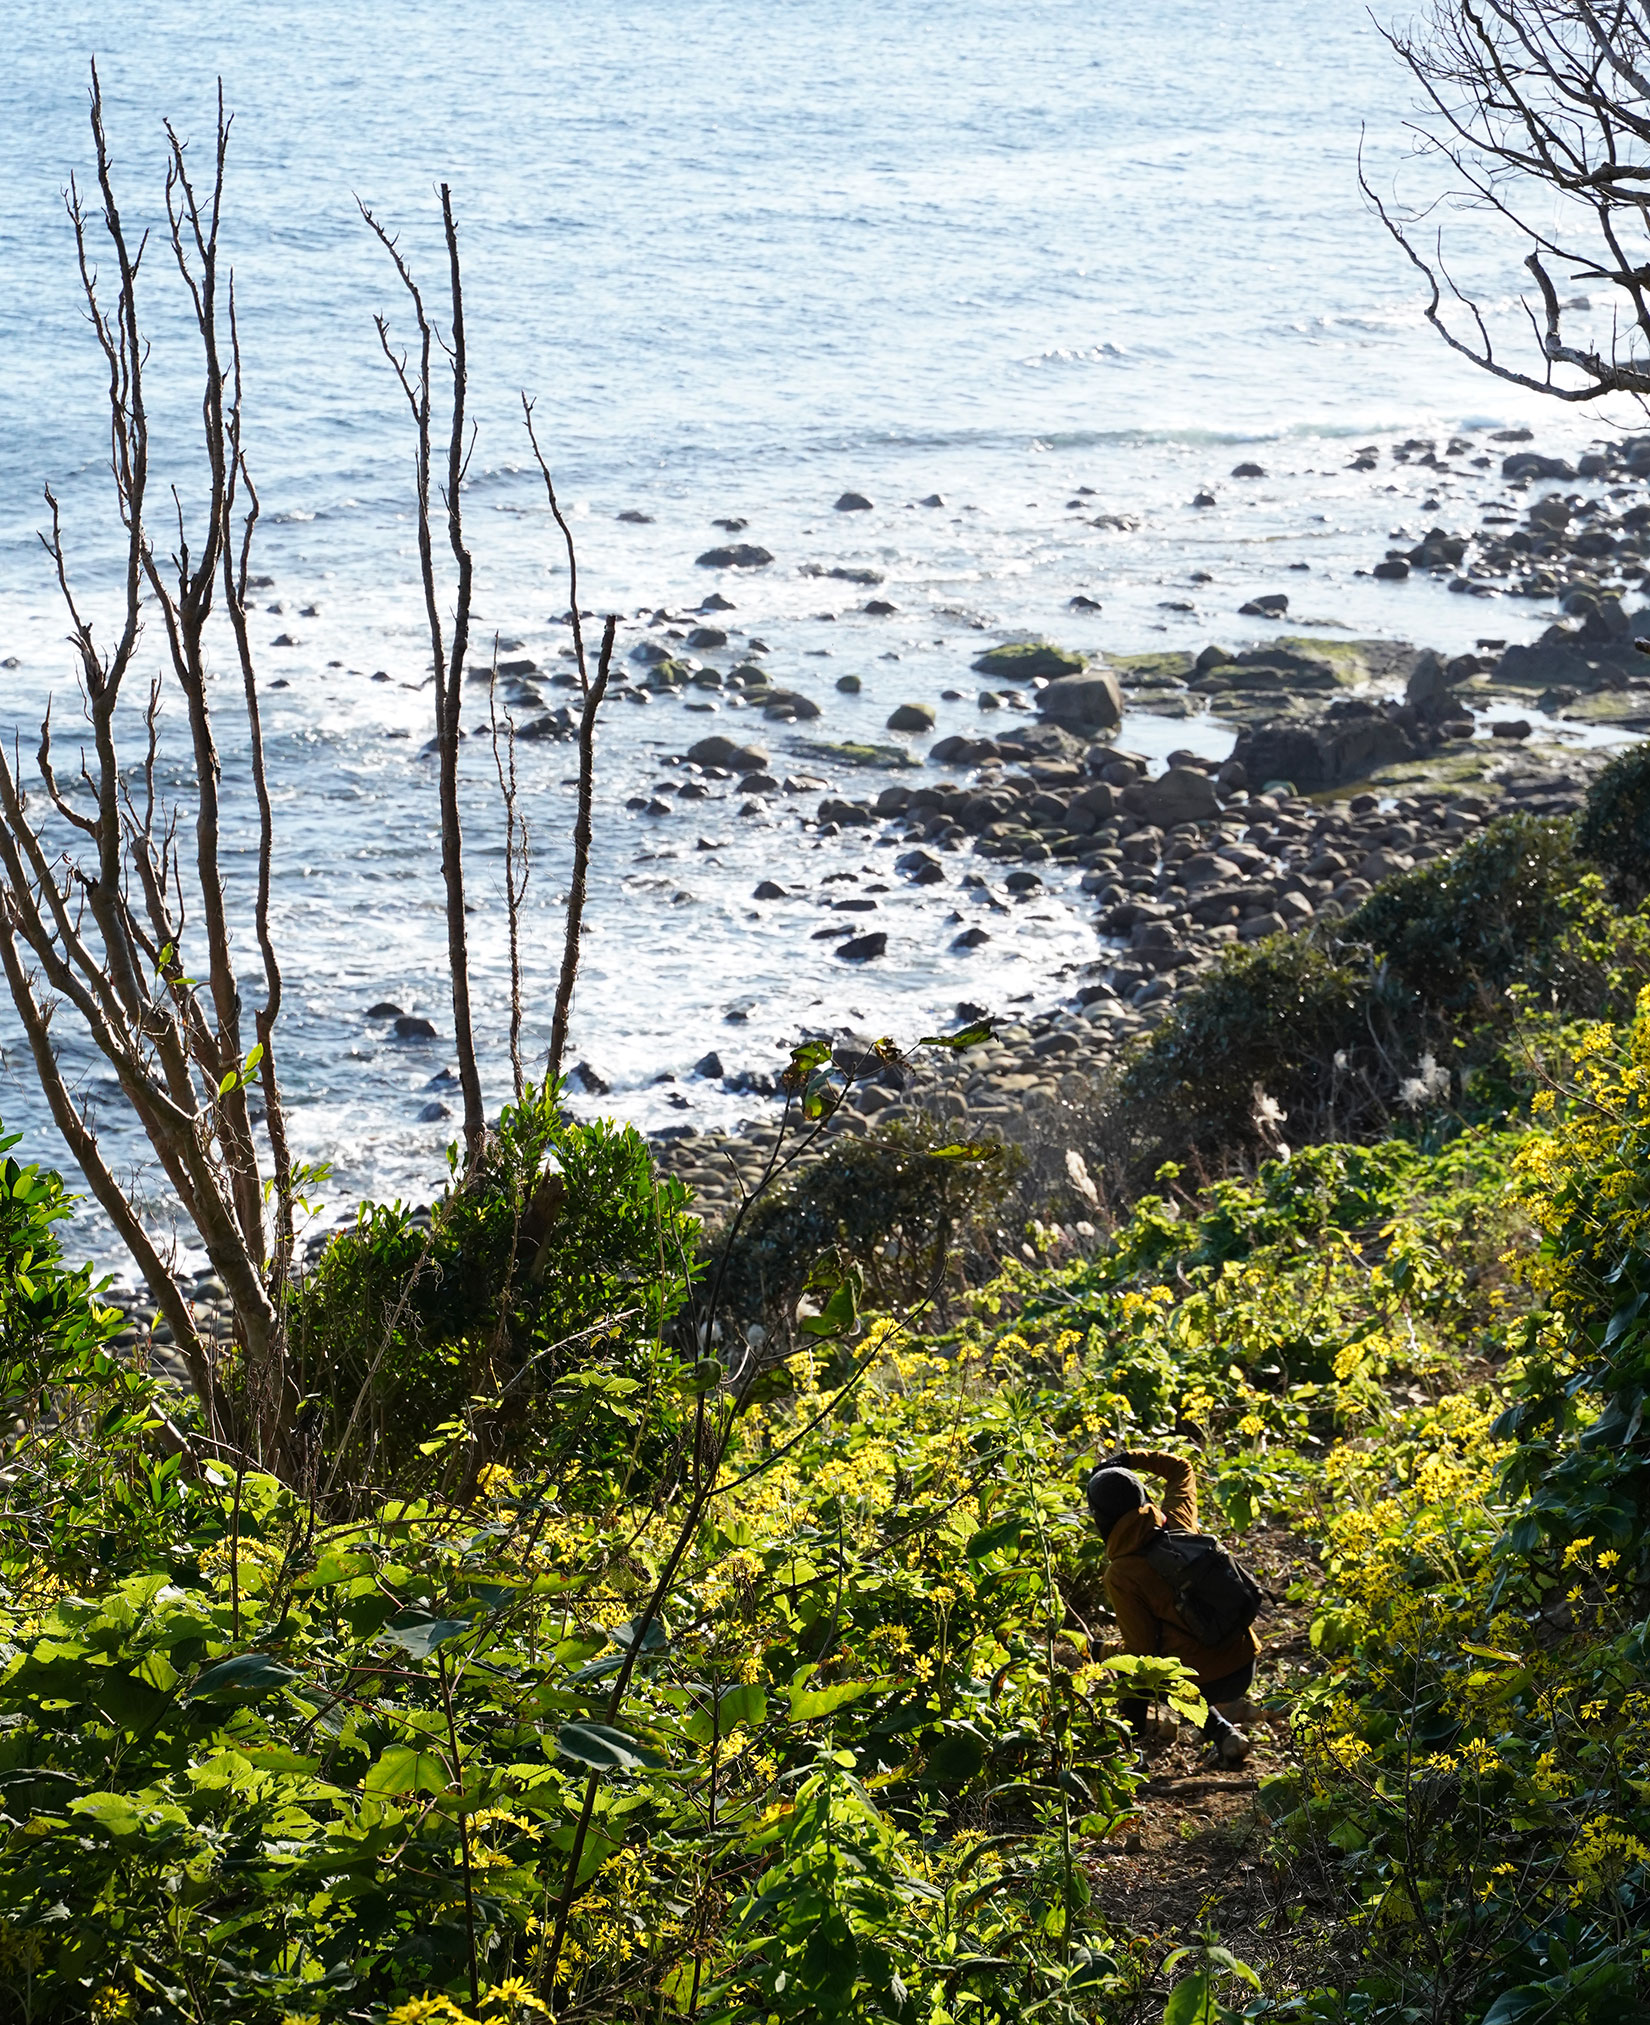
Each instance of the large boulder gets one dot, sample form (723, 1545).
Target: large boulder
(1432, 679)
(737, 555)
(1583, 656)
(1092, 700)
(1324, 753)
(1528, 464)
(1026, 660)
(720, 751)
(960, 750)
(788, 703)
(1182, 795)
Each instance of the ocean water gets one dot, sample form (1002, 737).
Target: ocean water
(744, 259)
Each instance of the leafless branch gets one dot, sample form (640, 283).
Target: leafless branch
(1538, 112)
(100, 940)
(581, 851)
(517, 864)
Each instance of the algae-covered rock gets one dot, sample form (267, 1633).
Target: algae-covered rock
(1027, 660)
(669, 674)
(850, 752)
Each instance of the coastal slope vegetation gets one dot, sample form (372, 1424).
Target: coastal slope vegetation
(696, 1677)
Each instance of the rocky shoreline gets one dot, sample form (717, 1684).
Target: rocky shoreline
(1351, 759)
(1169, 897)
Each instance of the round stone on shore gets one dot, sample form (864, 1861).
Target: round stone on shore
(912, 717)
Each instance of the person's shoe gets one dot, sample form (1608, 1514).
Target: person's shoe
(1231, 1748)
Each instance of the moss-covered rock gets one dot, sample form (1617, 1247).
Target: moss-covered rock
(1027, 660)
(851, 752)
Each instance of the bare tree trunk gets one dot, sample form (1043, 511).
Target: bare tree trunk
(448, 664)
(592, 692)
(517, 864)
(105, 939)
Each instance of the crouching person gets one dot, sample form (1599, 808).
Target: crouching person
(1175, 1592)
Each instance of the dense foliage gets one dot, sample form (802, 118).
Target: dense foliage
(541, 1282)
(1614, 829)
(724, 1688)
(1420, 995)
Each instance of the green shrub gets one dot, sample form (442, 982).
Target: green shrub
(48, 1317)
(1614, 830)
(888, 1203)
(1266, 1024)
(1404, 1007)
(540, 1284)
(1495, 912)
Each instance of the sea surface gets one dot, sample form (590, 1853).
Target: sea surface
(744, 259)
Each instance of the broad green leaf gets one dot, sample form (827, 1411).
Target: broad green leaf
(112, 1812)
(654, 1639)
(1192, 2002)
(809, 1703)
(602, 1748)
(805, 1060)
(246, 1678)
(956, 1757)
(402, 1769)
(420, 1639)
(836, 1318)
(745, 1705)
(737, 1708)
(965, 1037)
(1005, 1533)
(968, 1149)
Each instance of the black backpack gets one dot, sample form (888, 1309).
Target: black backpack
(1214, 1595)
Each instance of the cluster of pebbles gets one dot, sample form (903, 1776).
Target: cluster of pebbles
(1169, 898)
(1593, 543)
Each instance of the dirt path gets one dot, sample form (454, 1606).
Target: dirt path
(1196, 1856)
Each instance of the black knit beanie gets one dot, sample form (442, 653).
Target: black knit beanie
(1112, 1495)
